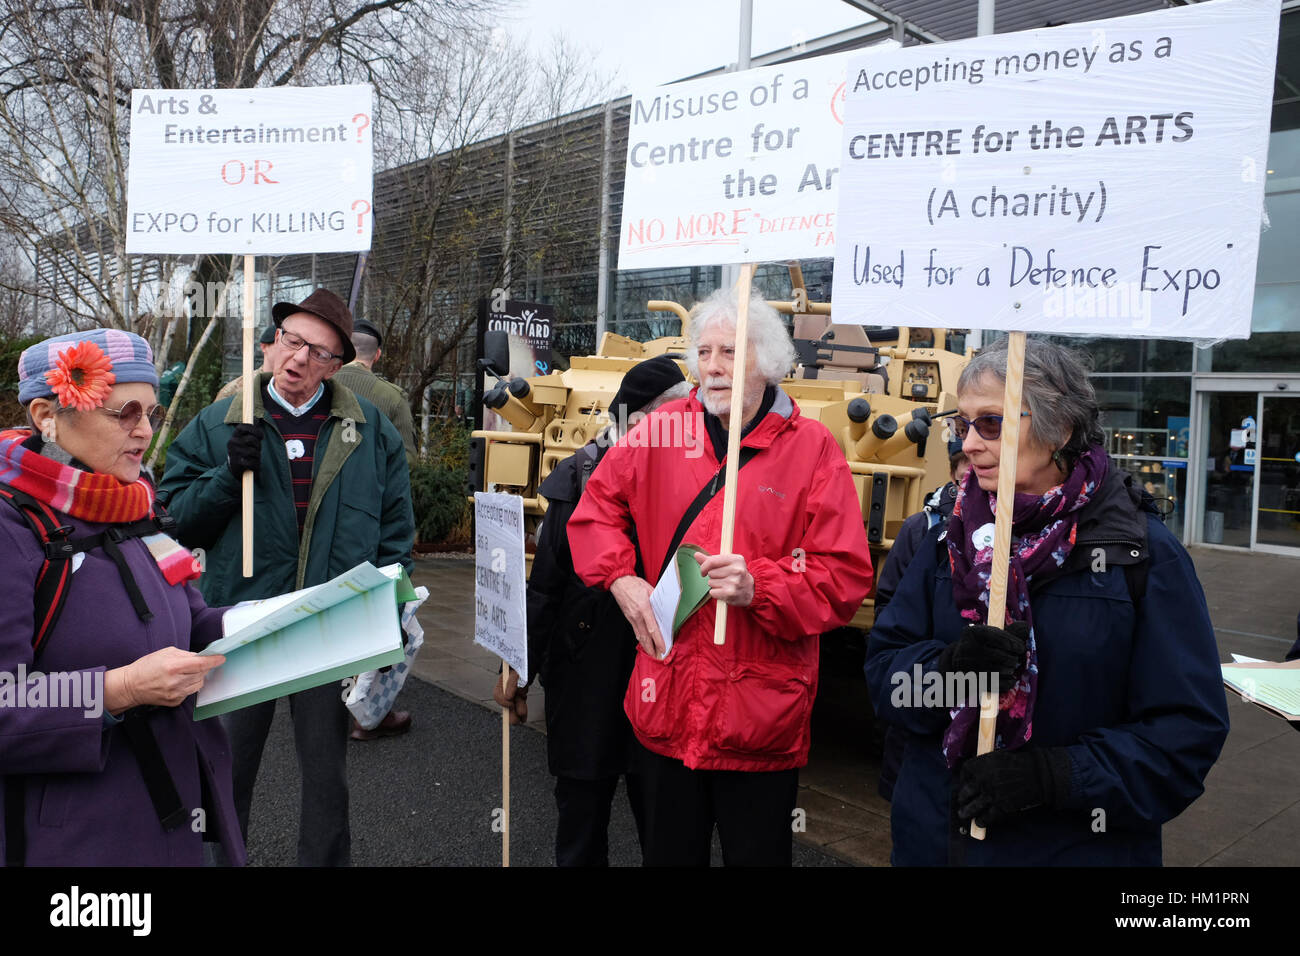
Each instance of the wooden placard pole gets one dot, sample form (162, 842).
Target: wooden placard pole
(735, 424)
(249, 299)
(505, 769)
(1002, 530)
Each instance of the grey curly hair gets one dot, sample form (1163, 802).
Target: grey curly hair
(1064, 414)
(773, 350)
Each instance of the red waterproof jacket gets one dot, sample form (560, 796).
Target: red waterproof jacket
(745, 705)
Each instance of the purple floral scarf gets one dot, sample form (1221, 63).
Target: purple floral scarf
(1043, 531)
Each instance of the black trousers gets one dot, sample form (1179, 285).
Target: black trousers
(753, 811)
(582, 836)
(320, 732)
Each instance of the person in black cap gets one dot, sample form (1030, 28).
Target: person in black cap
(581, 645)
(360, 377)
(267, 344)
(331, 490)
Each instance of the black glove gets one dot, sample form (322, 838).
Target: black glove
(244, 450)
(983, 650)
(1004, 782)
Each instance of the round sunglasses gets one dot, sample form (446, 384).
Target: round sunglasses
(988, 427)
(129, 415)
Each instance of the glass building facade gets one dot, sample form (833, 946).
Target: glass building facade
(1215, 431)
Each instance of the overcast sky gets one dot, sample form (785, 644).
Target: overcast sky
(648, 42)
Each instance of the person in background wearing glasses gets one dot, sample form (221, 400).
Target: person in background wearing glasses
(101, 760)
(331, 490)
(1111, 708)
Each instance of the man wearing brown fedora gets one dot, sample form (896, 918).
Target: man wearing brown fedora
(331, 490)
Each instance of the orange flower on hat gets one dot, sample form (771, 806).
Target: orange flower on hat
(82, 376)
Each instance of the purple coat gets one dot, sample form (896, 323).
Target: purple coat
(86, 803)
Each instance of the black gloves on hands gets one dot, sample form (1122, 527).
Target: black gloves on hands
(244, 450)
(984, 650)
(993, 787)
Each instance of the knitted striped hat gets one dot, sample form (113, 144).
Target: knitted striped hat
(130, 355)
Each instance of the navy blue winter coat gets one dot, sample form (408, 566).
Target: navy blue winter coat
(1134, 694)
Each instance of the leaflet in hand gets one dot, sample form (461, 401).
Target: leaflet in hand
(1275, 687)
(681, 591)
(303, 639)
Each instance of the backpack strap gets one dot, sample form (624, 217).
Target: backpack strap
(157, 778)
(54, 577)
(703, 498)
(51, 589)
(52, 584)
(1135, 576)
(590, 459)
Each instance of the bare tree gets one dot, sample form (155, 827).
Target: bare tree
(480, 192)
(66, 71)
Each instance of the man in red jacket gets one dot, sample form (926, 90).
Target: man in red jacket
(724, 728)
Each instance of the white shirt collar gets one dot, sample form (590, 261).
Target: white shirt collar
(301, 410)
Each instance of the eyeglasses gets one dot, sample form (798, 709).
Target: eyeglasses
(129, 415)
(988, 427)
(318, 353)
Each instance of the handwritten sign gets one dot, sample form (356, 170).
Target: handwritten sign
(259, 172)
(1100, 178)
(735, 168)
(500, 623)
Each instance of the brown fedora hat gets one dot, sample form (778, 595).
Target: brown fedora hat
(325, 305)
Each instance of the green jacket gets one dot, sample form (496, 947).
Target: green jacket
(360, 507)
(386, 396)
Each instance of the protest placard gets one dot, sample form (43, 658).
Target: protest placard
(1083, 179)
(1096, 178)
(500, 622)
(257, 172)
(735, 168)
(499, 617)
(251, 172)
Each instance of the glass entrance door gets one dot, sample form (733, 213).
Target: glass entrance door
(1278, 512)
(1229, 468)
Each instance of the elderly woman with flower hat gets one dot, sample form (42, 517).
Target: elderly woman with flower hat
(102, 761)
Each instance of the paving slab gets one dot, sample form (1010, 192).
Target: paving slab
(1249, 814)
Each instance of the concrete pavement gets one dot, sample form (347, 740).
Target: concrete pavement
(1249, 814)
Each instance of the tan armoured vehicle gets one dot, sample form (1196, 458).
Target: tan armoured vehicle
(879, 391)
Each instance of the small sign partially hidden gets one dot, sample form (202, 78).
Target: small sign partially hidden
(499, 615)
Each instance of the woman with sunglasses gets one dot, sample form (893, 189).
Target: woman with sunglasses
(1111, 708)
(101, 759)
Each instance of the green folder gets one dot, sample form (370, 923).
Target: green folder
(405, 589)
(695, 586)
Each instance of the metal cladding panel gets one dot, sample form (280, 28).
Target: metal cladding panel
(956, 21)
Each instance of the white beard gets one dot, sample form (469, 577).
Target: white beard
(720, 407)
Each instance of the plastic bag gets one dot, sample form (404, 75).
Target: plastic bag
(373, 694)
